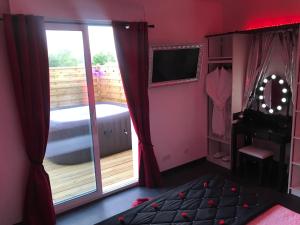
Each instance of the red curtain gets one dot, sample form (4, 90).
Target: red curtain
(131, 40)
(27, 52)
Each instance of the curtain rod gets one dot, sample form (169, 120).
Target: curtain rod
(85, 22)
(82, 22)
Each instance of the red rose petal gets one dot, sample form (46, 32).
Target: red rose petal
(181, 195)
(245, 205)
(184, 214)
(211, 202)
(154, 205)
(233, 189)
(221, 222)
(121, 219)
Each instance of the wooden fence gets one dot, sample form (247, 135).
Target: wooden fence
(68, 86)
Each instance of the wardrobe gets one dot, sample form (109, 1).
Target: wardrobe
(228, 51)
(231, 52)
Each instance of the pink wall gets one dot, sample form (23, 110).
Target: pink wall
(177, 113)
(256, 13)
(13, 161)
(4, 6)
(80, 9)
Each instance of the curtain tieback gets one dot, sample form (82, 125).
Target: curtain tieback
(144, 144)
(35, 164)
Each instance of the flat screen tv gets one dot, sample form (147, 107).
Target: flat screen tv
(174, 64)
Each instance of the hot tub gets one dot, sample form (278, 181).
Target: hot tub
(70, 139)
(82, 113)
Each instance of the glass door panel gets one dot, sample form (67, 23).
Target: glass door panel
(69, 159)
(118, 164)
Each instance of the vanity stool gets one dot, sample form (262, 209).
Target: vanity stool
(261, 156)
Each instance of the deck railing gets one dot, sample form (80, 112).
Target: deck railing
(68, 86)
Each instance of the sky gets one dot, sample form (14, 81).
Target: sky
(100, 38)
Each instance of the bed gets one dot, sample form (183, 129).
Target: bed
(277, 215)
(208, 200)
(70, 139)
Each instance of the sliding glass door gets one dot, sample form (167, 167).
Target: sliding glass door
(72, 147)
(118, 164)
(89, 151)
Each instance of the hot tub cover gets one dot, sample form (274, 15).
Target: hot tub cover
(209, 200)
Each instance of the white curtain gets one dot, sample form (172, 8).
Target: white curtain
(258, 63)
(260, 56)
(288, 40)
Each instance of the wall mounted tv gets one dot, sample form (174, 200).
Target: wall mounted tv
(174, 64)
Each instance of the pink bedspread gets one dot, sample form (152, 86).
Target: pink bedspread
(277, 215)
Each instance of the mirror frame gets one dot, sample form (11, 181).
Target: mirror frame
(285, 90)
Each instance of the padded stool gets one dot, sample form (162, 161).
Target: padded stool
(262, 156)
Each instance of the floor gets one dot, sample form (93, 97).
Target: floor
(68, 181)
(109, 206)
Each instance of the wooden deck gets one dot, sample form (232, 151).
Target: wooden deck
(68, 181)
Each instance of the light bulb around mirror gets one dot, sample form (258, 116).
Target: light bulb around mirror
(271, 110)
(265, 80)
(261, 97)
(261, 88)
(273, 76)
(281, 81)
(284, 90)
(283, 99)
(279, 108)
(264, 105)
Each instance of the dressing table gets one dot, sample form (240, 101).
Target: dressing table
(269, 120)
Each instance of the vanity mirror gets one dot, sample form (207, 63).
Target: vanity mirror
(273, 93)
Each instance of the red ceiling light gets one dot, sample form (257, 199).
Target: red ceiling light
(272, 22)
